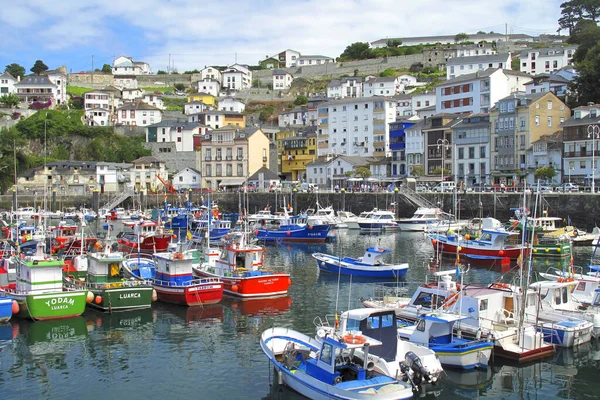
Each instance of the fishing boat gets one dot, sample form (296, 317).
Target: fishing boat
(393, 354)
(494, 243)
(239, 265)
(294, 230)
(329, 369)
(370, 265)
(422, 217)
(8, 307)
(219, 229)
(436, 331)
(175, 283)
(138, 267)
(548, 239)
(352, 222)
(379, 220)
(38, 289)
(145, 235)
(102, 278)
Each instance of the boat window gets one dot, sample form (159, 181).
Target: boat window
(557, 296)
(486, 236)
(167, 267)
(373, 322)
(353, 325)
(426, 299)
(565, 294)
(421, 325)
(580, 286)
(483, 305)
(531, 300)
(387, 320)
(327, 353)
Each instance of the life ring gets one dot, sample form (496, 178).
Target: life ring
(355, 339)
(177, 256)
(500, 285)
(450, 300)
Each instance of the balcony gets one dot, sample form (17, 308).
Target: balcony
(208, 158)
(377, 144)
(239, 158)
(228, 158)
(218, 158)
(378, 121)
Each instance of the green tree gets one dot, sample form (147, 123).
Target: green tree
(349, 174)
(515, 64)
(394, 43)
(106, 68)
(39, 67)
(363, 172)
(300, 100)
(161, 72)
(546, 173)
(179, 86)
(439, 171)
(15, 70)
(387, 72)
(356, 71)
(9, 100)
(195, 71)
(417, 171)
(461, 37)
(585, 88)
(356, 51)
(481, 33)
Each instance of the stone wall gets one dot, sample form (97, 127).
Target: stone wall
(7, 121)
(174, 160)
(97, 80)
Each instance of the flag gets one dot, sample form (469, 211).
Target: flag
(457, 269)
(188, 235)
(337, 321)
(520, 259)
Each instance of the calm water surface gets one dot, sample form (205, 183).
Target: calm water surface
(213, 352)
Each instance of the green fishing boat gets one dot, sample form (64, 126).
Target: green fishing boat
(38, 289)
(99, 272)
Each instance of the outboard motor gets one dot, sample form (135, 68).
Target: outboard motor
(413, 362)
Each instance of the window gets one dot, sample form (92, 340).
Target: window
(522, 122)
(461, 153)
(327, 353)
(582, 164)
(549, 104)
(537, 120)
(471, 152)
(482, 152)
(549, 122)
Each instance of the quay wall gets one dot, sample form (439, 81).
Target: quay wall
(582, 208)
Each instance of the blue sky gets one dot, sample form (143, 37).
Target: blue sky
(198, 33)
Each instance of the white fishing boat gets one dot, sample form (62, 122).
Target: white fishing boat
(420, 219)
(352, 223)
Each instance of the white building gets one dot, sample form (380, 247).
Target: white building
(449, 39)
(415, 147)
(282, 80)
(471, 138)
(408, 105)
(458, 66)
(548, 83)
(237, 77)
(111, 177)
(143, 174)
(138, 114)
(126, 82)
(546, 60)
(478, 92)
(98, 117)
(187, 178)
(210, 73)
(7, 83)
(345, 87)
(355, 127)
(476, 49)
(387, 86)
(287, 58)
(194, 107)
(154, 100)
(210, 86)
(232, 104)
(185, 135)
(97, 99)
(297, 116)
(126, 66)
(51, 86)
(132, 94)
(313, 60)
(547, 152)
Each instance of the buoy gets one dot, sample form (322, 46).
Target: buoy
(288, 233)
(134, 245)
(535, 250)
(174, 236)
(558, 249)
(235, 288)
(322, 263)
(501, 253)
(256, 232)
(98, 300)
(459, 249)
(90, 297)
(450, 232)
(433, 242)
(310, 227)
(15, 307)
(468, 237)
(62, 246)
(154, 295)
(547, 250)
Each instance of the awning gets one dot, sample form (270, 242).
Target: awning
(355, 179)
(233, 182)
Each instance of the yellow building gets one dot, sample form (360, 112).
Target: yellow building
(516, 122)
(230, 155)
(206, 98)
(296, 150)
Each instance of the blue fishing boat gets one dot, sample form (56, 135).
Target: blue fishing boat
(6, 308)
(294, 229)
(219, 229)
(369, 265)
(436, 331)
(139, 267)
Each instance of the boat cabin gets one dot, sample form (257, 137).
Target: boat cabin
(142, 228)
(374, 324)
(557, 294)
(238, 257)
(104, 267)
(173, 267)
(373, 256)
(431, 329)
(39, 274)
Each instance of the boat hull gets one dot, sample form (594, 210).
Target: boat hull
(192, 295)
(5, 309)
(335, 266)
(552, 251)
(47, 306)
(122, 298)
(465, 357)
(305, 234)
(571, 336)
(267, 285)
(148, 245)
(512, 252)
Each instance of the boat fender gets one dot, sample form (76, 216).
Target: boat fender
(15, 307)
(338, 379)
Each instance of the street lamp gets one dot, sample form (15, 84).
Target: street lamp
(594, 133)
(444, 144)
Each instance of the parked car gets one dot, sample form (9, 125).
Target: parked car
(568, 188)
(445, 187)
(542, 189)
(421, 188)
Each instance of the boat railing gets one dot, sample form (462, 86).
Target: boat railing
(133, 256)
(192, 282)
(381, 291)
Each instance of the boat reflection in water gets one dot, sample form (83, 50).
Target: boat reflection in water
(259, 307)
(131, 319)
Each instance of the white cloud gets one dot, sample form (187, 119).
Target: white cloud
(211, 32)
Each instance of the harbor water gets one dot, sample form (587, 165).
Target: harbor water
(213, 352)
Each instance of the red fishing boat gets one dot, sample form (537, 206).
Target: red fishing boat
(240, 266)
(145, 237)
(175, 283)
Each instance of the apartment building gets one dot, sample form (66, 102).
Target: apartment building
(471, 137)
